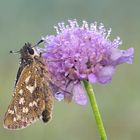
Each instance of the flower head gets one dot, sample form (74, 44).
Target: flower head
(80, 53)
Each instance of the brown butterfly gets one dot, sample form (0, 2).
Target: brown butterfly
(32, 99)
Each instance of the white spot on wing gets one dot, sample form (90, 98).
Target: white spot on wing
(27, 79)
(30, 88)
(21, 92)
(18, 117)
(31, 104)
(14, 119)
(15, 108)
(10, 111)
(21, 101)
(25, 110)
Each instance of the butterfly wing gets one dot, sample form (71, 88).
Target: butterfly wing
(32, 99)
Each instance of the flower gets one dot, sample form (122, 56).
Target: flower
(80, 53)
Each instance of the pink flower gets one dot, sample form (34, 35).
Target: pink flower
(80, 53)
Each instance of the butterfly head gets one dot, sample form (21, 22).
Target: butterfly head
(27, 51)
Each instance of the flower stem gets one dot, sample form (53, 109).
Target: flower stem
(95, 109)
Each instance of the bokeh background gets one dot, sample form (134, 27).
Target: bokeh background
(119, 101)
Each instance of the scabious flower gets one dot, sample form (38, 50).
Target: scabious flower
(80, 53)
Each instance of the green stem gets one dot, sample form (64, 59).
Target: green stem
(95, 109)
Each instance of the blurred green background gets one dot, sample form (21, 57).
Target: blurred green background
(119, 101)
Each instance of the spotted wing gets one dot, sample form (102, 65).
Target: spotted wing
(32, 99)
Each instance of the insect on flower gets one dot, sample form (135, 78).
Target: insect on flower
(32, 99)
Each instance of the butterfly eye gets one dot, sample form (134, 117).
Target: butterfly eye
(30, 50)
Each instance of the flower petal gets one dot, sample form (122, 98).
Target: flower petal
(122, 56)
(105, 75)
(79, 94)
(92, 78)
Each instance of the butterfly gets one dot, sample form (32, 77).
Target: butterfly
(32, 97)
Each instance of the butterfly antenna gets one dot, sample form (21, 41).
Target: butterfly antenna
(39, 42)
(13, 52)
(17, 52)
